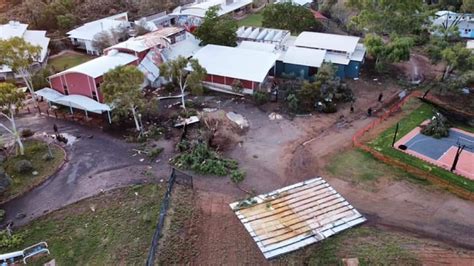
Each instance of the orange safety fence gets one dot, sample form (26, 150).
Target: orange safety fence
(454, 188)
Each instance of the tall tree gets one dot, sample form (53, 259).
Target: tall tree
(457, 57)
(396, 50)
(388, 16)
(19, 55)
(10, 100)
(289, 16)
(122, 90)
(215, 29)
(176, 70)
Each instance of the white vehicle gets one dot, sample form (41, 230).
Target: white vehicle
(23, 255)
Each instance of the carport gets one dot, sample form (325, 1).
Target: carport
(75, 101)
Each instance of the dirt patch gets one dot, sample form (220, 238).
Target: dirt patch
(222, 238)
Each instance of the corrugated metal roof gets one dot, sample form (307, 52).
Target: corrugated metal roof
(100, 65)
(326, 41)
(234, 62)
(296, 216)
(304, 56)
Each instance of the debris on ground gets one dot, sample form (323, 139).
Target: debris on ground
(209, 110)
(188, 121)
(275, 116)
(238, 119)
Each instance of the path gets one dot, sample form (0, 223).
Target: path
(97, 162)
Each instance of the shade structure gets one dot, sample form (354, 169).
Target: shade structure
(73, 101)
(49, 94)
(83, 103)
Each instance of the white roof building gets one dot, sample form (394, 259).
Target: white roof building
(258, 46)
(199, 8)
(330, 42)
(234, 62)
(35, 37)
(304, 56)
(90, 29)
(100, 65)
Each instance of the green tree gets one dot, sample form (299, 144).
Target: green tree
(177, 70)
(468, 6)
(396, 50)
(215, 29)
(65, 22)
(11, 100)
(289, 16)
(388, 16)
(19, 55)
(457, 57)
(40, 78)
(122, 90)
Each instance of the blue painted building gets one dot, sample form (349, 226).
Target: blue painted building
(311, 49)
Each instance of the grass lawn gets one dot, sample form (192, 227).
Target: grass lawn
(362, 169)
(114, 228)
(384, 141)
(34, 152)
(254, 20)
(370, 245)
(67, 60)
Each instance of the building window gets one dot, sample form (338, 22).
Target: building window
(94, 96)
(66, 91)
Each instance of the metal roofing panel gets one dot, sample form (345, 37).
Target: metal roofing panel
(234, 62)
(304, 56)
(296, 216)
(327, 41)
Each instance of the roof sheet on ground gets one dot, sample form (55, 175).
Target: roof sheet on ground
(296, 216)
(327, 41)
(100, 65)
(234, 62)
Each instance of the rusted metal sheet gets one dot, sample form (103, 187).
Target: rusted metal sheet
(296, 216)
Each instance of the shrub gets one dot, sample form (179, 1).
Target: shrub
(26, 133)
(330, 107)
(7, 241)
(155, 152)
(47, 157)
(5, 180)
(292, 102)
(260, 97)
(237, 86)
(237, 176)
(437, 128)
(23, 166)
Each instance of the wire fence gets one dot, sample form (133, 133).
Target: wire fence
(161, 220)
(356, 140)
(177, 177)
